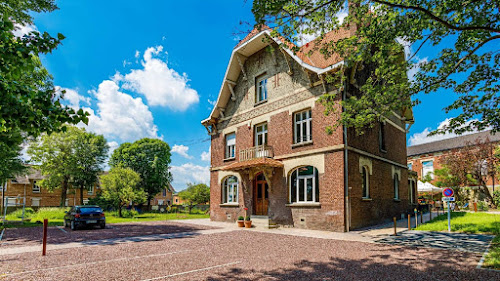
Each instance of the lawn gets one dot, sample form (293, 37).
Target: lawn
(471, 223)
(56, 217)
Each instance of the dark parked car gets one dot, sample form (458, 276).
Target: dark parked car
(84, 216)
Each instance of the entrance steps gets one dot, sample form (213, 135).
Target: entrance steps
(263, 222)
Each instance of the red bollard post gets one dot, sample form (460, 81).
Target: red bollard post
(44, 243)
(409, 222)
(395, 227)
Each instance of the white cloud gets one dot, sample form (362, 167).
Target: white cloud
(408, 53)
(161, 85)
(20, 30)
(422, 137)
(137, 54)
(212, 102)
(182, 150)
(120, 116)
(189, 173)
(73, 97)
(205, 155)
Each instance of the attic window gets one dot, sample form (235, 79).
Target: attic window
(261, 92)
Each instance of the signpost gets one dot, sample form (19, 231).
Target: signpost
(448, 193)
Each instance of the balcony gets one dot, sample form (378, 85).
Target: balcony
(260, 151)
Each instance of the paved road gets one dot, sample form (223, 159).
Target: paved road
(245, 255)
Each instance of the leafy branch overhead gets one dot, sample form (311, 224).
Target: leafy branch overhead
(380, 32)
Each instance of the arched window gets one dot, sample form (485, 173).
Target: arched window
(304, 185)
(396, 186)
(366, 182)
(230, 190)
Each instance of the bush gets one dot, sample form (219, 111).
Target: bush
(482, 206)
(496, 198)
(101, 202)
(18, 213)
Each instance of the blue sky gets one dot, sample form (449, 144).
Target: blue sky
(149, 69)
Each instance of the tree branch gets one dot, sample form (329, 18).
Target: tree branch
(438, 19)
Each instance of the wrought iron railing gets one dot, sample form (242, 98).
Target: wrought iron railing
(259, 151)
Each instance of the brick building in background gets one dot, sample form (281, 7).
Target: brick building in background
(165, 197)
(425, 158)
(36, 196)
(270, 152)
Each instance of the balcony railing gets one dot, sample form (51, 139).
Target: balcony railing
(259, 151)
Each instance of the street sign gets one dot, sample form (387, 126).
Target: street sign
(445, 199)
(448, 192)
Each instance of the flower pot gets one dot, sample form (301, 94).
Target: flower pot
(248, 224)
(241, 223)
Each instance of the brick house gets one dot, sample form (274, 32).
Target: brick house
(36, 196)
(270, 152)
(423, 159)
(165, 197)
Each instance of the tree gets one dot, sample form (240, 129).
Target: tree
(73, 157)
(195, 194)
(463, 33)
(150, 158)
(120, 186)
(472, 165)
(29, 102)
(90, 154)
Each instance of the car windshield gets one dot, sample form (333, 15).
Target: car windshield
(90, 209)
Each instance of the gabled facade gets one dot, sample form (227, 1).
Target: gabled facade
(165, 197)
(271, 154)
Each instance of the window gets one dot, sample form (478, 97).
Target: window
(230, 190)
(261, 94)
(261, 134)
(36, 187)
(91, 190)
(381, 137)
(164, 192)
(35, 202)
(410, 166)
(304, 185)
(428, 169)
(230, 145)
(396, 187)
(365, 182)
(302, 121)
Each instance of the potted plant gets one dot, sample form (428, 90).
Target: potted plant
(241, 222)
(248, 222)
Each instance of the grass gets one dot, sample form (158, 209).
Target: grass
(56, 217)
(471, 223)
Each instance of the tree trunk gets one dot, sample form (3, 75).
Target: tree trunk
(120, 211)
(81, 194)
(63, 193)
(149, 203)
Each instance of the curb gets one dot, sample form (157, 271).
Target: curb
(1, 234)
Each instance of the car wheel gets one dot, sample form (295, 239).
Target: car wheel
(65, 223)
(73, 226)
(103, 225)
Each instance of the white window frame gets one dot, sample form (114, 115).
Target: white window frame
(38, 200)
(36, 190)
(90, 191)
(365, 176)
(263, 133)
(230, 151)
(261, 91)
(301, 123)
(229, 189)
(410, 166)
(396, 186)
(303, 178)
(427, 171)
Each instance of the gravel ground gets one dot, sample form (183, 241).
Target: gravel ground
(246, 255)
(29, 236)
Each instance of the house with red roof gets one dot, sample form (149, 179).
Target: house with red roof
(272, 156)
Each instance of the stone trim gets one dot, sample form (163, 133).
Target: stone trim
(233, 205)
(365, 162)
(303, 205)
(359, 151)
(396, 171)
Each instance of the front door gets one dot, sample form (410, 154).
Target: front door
(261, 196)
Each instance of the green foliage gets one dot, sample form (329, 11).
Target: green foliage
(247, 218)
(373, 53)
(150, 158)
(482, 206)
(29, 102)
(465, 222)
(195, 194)
(496, 197)
(240, 218)
(492, 260)
(11, 164)
(101, 202)
(120, 186)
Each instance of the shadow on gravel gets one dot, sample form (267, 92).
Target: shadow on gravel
(113, 232)
(448, 265)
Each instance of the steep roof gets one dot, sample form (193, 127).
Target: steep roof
(448, 144)
(255, 42)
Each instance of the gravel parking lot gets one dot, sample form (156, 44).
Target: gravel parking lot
(15, 237)
(245, 255)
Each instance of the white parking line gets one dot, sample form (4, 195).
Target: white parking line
(61, 228)
(1, 234)
(192, 271)
(480, 264)
(91, 263)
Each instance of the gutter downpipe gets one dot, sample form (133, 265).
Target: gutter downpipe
(347, 203)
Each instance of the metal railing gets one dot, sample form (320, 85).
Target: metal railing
(259, 151)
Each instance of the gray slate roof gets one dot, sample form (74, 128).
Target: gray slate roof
(451, 143)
